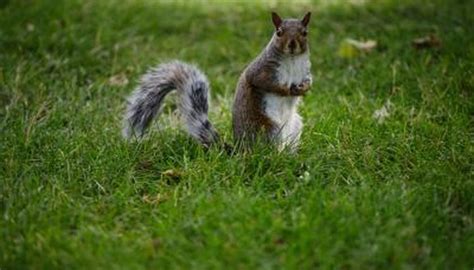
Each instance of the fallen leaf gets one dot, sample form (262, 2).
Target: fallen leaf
(156, 243)
(351, 48)
(30, 27)
(430, 41)
(118, 80)
(347, 51)
(144, 165)
(365, 46)
(383, 112)
(158, 198)
(279, 241)
(173, 174)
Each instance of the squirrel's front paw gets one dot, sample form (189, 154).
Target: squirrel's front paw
(300, 89)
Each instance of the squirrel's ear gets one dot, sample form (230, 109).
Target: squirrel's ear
(306, 18)
(276, 20)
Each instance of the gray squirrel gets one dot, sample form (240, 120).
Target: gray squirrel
(266, 99)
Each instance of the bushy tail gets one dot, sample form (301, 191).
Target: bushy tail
(193, 89)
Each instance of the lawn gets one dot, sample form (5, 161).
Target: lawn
(362, 193)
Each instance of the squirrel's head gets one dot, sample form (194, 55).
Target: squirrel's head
(290, 35)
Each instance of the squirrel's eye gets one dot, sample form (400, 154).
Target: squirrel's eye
(304, 33)
(279, 32)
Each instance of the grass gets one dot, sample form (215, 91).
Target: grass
(360, 194)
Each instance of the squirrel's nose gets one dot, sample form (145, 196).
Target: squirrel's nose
(292, 45)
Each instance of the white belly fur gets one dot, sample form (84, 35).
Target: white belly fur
(283, 111)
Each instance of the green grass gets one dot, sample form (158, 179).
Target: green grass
(359, 194)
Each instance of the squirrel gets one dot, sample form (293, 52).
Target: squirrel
(266, 99)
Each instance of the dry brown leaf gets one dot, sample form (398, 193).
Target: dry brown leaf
(156, 243)
(350, 48)
(173, 174)
(30, 27)
(144, 165)
(430, 41)
(149, 199)
(118, 80)
(365, 46)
